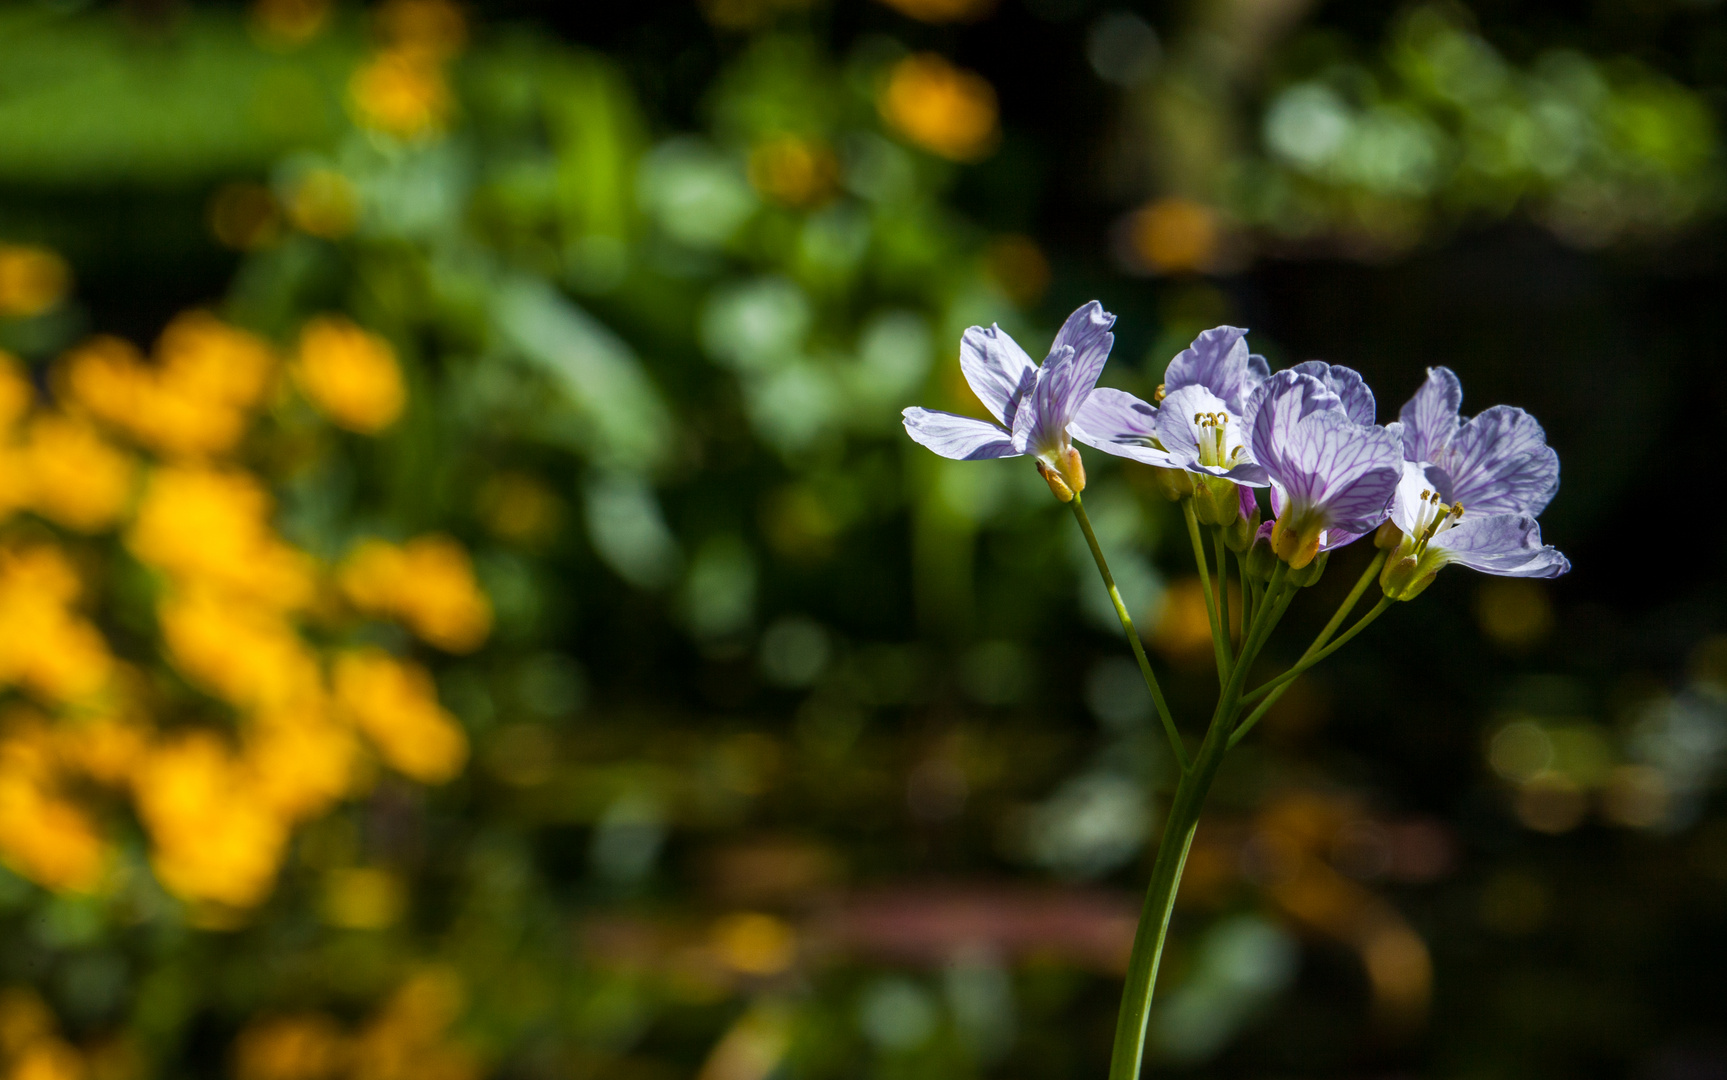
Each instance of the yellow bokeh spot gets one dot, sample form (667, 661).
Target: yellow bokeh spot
(43, 836)
(428, 583)
(1514, 613)
(395, 704)
(76, 478)
(755, 944)
(516, 506)
(1175, 235)
(944, 109)
(363, 898)
(1018, 265)
(305, 1047)
(46, 647)
(16, 393)
(794, 172)
(48, 1059)
(32, 280)
(246, 654)
(350, 374)
(432, 29)
(289, 23)
(323, 203)
(194, 402)
(401, 92)
(215, 840)
(212, 526)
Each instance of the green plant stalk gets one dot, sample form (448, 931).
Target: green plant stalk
(1218, 644)
(1278, 685)
(1121, 613)
(1166, 869)
(1223, 585)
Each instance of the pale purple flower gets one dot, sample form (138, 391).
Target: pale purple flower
(1198, 426)
(1495, 463)
(1470, 491)
(1033, 405)
(1332, 477)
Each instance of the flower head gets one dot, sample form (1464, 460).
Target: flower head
(1033, 404)
(1198, 428)
(1332, 476)
(1469, 491)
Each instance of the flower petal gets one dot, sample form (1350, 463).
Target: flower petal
(1508, 545)
(1500, 463)
(1429, 419)
(998, 370)
(1118, 423)
(962, 438)
(1087, 333)
(1351, 389)
(1269, 421)
(1219, 361)
(1343, 470)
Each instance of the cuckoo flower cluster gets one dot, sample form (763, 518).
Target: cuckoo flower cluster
(1432, 488)
(1437, 488)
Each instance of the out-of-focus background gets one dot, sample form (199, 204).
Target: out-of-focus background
(468, 608)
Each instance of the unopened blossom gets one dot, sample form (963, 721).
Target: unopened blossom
(1469, 491)
(1033, 405)
(1331, 475)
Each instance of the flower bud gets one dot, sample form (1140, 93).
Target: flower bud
(1260, 560)
(1067, 479)
(1387, 536)
(1406, 575)
(1172, 484)
(1239, 536)
(1296, 543)
(1215, 501)
(1309, 574)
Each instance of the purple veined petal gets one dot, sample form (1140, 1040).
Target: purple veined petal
(1087, 333)
(1351, 389)
(1219, 361)
(1508, 545)
(1281, 403)
(1249, 501)
(1430, 418)
(1332, 539)
(963, 438)
(1038, 427)
(1270, 523)
(1342, 470)
(1118, 423)
(1500, 463)
(997, 369)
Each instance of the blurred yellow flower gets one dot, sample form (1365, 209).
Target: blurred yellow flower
(193, 402)
(16, 393)
(350, 374)
(303, 1047)
(429, 29)
(43, 836)
(401, 92)
(44, 646)
(214, 838)
(246, 654)
(794, 171)
(289, 23)
(212, 526)
(102, 747)
(363, 898)
(304, 762)
(946, 110)
(1175, 235)
(75, 477)
(32, 280)
(396, 705)
(428, 583)
(48, 1059)
(322, 202)
(408, 1039)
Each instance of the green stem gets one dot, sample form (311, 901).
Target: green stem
(1343, 610)
(1278, 685)
(1223, 591)
(1247, 596)
(1132, 634)
(1178, 830)
(1199, 559)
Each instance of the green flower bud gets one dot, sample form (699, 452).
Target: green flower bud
(1309, 574)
